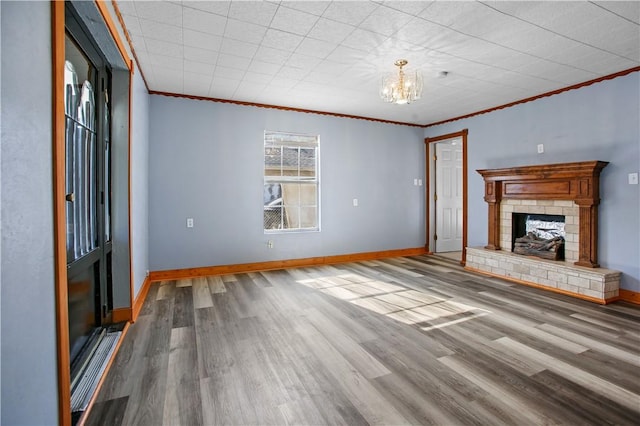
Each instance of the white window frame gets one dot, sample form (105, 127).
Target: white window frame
(279, 178)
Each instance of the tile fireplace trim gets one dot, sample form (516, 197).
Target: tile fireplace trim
(578, 182)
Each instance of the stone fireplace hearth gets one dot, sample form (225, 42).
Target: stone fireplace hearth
(568, 189)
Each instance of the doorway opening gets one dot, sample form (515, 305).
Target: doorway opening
(446, 218)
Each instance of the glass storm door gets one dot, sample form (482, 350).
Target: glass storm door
(87, 187)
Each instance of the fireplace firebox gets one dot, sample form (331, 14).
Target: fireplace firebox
(539, 235)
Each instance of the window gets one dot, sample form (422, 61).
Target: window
(291, 182)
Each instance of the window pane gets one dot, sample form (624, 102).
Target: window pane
(307, 162)
(272, 160)
(308, 217)
(290, 163)
(308, 193)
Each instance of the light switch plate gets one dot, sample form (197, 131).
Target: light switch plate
(540, 148)
(633, 178)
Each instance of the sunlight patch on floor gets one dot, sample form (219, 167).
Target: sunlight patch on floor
(397, 302)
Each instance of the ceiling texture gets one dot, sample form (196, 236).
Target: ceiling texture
(330, 56)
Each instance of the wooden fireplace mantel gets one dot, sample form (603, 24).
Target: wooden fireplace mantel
(577, 182)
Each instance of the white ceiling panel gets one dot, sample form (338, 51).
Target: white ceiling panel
(164, 48)
(159, 31)
(200, 68)
(238, 48)
(349, 12)
(316, 48)
(200, 55)
(293, 21)
(385, 20)
(281, 40)
(629, 10)
(264, 68)
(201, 40)
(165, 12)
(205, 22)
(331, 31)
(260, 13)
(244, 31)
(331, 55)
(218, 7)
(271, 55)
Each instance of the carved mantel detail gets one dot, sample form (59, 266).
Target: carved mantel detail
(578, 182)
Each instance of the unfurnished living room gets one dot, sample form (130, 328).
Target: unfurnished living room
(320, 212)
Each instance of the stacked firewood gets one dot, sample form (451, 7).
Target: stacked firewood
(532, 245)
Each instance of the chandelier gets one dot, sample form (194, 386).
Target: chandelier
(401, 88)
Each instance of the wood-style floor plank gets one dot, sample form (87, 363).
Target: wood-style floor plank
(415, 340)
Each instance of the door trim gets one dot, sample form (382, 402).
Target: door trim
(62, 313)
(463, 135)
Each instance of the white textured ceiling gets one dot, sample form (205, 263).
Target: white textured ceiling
(330, 56)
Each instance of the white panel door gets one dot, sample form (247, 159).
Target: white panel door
(448, 202)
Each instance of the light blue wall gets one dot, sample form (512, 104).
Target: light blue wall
(29, 378)
(139, 181)
(206, 162)
(597, 122)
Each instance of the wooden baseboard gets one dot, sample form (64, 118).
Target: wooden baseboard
(629, 296)
(121, 315)
(142, 295)
(176, 274)
(554, 290)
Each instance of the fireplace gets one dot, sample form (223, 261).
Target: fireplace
(568, 190)
(577, 183)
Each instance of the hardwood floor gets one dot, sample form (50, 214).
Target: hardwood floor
(413, 340)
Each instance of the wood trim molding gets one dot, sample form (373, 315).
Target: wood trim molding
(280, 107)
(175, 274)
(533, 98)
(60, 226)
(106, 15)
(139, 301)
(629, 296)
(577, 182)
(465, 195)
(554, 290)
(121, 315)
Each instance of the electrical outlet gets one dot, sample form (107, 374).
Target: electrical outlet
(270, 244)
(189, 222)
(355, 202)
(540, 148)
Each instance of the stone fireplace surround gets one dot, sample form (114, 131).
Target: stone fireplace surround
(568, 189)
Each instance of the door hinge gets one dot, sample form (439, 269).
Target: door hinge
(101, 197)
(435, 197)
(104, 311)
(435, 237)
(435, 157)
